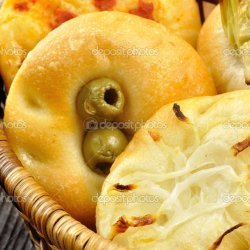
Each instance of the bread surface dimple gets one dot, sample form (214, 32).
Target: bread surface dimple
(45, 90)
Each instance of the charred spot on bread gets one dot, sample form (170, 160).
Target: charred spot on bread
(124, 188)
(22, 6)
(241, 146)
(140, 221)
(104, 4)
(61, 16)
(217, 243)
(121, 225)
(247, 81)
(178, 113)
(154, 135)
(144, 10)
(124, 223)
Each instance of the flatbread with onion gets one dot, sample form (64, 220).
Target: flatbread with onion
(185, 185)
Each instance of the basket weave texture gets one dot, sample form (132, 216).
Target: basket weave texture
(51, 226)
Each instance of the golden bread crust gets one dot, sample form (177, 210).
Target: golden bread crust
(45, 89)
(224, 65)
(24, 23)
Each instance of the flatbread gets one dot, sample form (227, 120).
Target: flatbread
(185, 186)
(45, 91)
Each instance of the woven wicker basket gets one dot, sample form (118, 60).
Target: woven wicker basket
(50, 226)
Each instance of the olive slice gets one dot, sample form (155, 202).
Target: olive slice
(101, 98)
(101, 147)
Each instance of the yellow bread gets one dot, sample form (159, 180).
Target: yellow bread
(45, 90)
(23, 23)
(185, 186)
(220, 57)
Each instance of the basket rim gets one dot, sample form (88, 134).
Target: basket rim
(44, 214)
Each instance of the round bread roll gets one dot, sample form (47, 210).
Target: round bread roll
(24, 23)
(151, 66)
(220, 57)
(184, 182)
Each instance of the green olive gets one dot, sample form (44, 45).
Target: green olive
(101, 147)
(102, 98)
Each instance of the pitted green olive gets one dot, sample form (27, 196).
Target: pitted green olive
(101, 98)
(101, 147)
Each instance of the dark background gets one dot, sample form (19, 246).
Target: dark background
(13, 231)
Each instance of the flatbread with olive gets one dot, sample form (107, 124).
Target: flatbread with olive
(70, 80)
